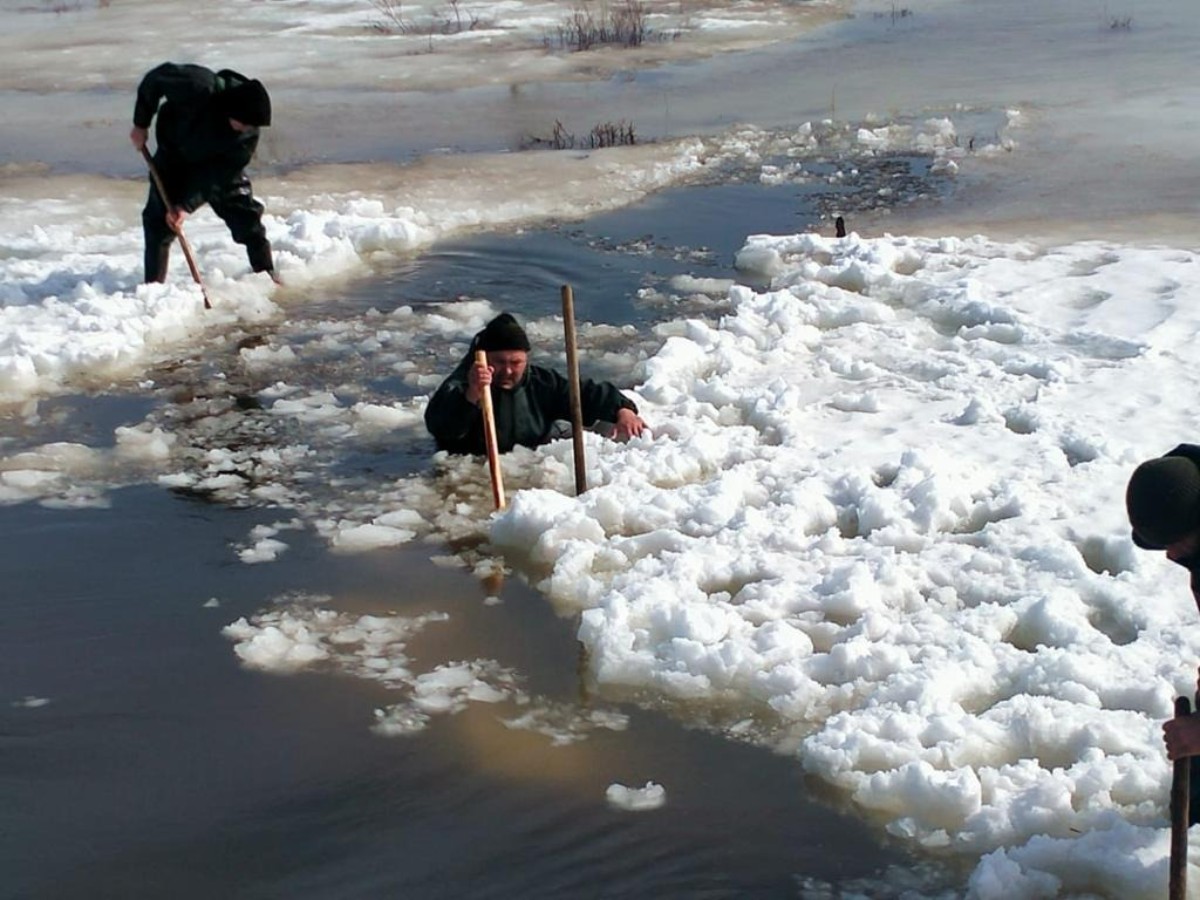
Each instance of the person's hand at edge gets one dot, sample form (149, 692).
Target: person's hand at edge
(1182, 737)
(628, 425)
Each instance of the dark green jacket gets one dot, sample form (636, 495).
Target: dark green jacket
(197, 150)
(524, 415)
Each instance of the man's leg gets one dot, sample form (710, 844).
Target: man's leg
(235, 204)
(158, 237)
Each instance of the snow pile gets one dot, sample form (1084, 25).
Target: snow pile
(650, 796)
(883, 518)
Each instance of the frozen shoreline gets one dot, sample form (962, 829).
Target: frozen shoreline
(359, 94)
(1102, 153)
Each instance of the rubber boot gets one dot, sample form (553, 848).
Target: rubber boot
(259, 254)
(157, 259)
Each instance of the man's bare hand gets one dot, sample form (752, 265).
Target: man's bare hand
(138, 137)
(479, 376)
(628, 425)
(1182, 737)
(175, 217)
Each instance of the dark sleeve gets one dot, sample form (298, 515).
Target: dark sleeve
(449, 414)
(171, 82)
(600, 401)
(450, 417)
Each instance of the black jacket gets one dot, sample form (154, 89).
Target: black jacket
(524, 415)
(197, 150)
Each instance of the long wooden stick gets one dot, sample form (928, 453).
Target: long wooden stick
(489, 436)
(1180, 797)
(183, 241)
(568, 303)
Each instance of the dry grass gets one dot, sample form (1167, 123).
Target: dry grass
(606, 134)
(454, 18)
(622, 25)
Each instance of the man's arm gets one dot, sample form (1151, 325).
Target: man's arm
(169, 81)
(150, 93)
(452, 414)
(449, 413)
(602, 401)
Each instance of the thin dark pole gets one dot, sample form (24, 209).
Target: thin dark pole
(1180, 796)
(568, 302)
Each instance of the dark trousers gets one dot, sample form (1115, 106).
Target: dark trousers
(233, 201)
(1194, 791)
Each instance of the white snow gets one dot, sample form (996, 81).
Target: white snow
(650, 796)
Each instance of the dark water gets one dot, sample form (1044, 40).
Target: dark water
(605, 259)
(691, 230)
(160, 767)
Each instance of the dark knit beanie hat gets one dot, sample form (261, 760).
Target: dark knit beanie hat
(503, 333)
(248, 102)
(1163, 501)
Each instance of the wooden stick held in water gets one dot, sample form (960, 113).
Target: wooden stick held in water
(568, 302)
(489, 436)
(183, 241)
(1180, 801)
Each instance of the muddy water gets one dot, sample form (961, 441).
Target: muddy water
(139, 759)
(159, 766)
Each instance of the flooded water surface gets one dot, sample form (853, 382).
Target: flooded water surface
(160, 766)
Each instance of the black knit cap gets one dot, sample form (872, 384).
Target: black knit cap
(1163, 501)
(247, 102)
(502, 333)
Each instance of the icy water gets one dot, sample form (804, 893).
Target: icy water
(145, 761)
(162, 768)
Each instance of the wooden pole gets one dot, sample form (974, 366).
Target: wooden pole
(568, 303)
(1180, 796)
(183, 241)
(489, 437)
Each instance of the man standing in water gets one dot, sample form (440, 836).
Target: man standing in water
(1163, 502)
(207, 133)
(527, 399)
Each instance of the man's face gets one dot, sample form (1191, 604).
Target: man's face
(1185, 551)
(509, 366)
